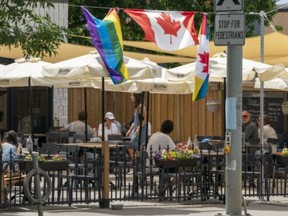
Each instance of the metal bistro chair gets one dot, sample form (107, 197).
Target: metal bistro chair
(53, 137)
(143, 171)
(89, 179)
(120, 163)
(272, 144)
(81, 137)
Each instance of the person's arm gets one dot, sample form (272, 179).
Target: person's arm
(65, 128)
(90, 130)
(130, 130)
(100, 130)
(115, 129)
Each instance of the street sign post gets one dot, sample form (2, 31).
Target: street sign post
(229, 29)
(228, 5)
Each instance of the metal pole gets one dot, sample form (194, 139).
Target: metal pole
(37, 183)
(234, 127)
(262, 98)
(103, 108)
(85, 110)
(31, 110)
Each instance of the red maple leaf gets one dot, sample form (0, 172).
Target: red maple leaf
(168, 25)
(204, 59)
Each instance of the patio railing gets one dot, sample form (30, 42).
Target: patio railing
(79, 178)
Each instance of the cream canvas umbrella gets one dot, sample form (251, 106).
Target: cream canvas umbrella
(91, 66)
(265, 74)
(217, 70)
(24, 73)
(162, 86)
(276, 84)
(275, 78)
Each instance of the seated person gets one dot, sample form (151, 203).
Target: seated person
(117, 123)
(268, 131)
(249, 128)
(9, 151)
(78, 126)
(109, 126)
(160, 141)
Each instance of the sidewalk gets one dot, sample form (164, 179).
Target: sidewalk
(149, 208)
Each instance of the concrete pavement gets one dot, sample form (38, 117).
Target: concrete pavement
(154, 208)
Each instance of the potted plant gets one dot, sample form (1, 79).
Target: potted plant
(285, 108)
(212, 106)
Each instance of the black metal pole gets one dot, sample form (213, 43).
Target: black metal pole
(147, 123)
(31, 109)
(103, 110)
(140, 130)
(85, 109)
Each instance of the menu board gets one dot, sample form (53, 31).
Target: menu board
(272, 107)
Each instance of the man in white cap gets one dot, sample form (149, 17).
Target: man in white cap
(110, 127)
(112, 117)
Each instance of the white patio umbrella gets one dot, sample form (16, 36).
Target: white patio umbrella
(265, 74)
(217, 70)
(162, 86)
(24, 73)
(276, 83)
(91, 66)
(19, 73)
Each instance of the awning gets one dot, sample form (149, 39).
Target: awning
(275, 51)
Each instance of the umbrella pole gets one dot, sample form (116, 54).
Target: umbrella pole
(85, 109)
(103, 106)
(31, 109)
(147, 123)
(140, 128)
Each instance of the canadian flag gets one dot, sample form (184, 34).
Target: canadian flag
(202, 62)
(170, 30)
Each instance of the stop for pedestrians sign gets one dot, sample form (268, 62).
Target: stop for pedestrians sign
(229, 29)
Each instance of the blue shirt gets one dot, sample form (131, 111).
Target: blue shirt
(6, 157)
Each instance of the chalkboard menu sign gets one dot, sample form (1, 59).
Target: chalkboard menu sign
(272, 107)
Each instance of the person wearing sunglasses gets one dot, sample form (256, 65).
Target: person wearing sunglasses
(248, 126)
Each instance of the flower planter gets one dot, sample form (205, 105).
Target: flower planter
(46, 166)
(285, 108)
(176, 163)
(212, 106)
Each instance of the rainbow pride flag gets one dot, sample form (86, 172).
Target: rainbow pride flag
(107, 39)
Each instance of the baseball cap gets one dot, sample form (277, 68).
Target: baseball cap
(109, 115)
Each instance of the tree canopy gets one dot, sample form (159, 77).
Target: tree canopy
(131, 31)
(38, 36)
(20, 26)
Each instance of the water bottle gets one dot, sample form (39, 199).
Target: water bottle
(94, 135)
(29, 144)
(189, 143)
(195, 142)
